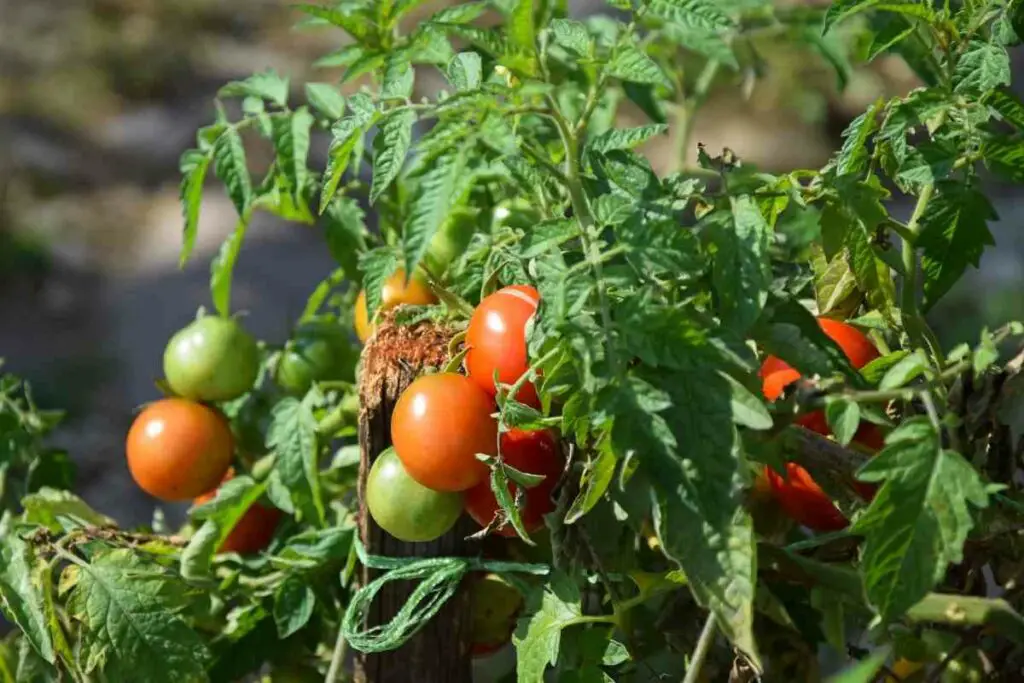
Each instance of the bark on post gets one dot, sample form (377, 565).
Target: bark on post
(440, 652)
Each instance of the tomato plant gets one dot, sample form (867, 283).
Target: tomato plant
(534, 453)
(439, 425)
(405, 508)
(496, 340)
(211, 359)
(178, 449)
(253, 531)
(667, 328)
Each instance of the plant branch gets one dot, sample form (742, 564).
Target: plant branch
(337, 658)
(700, 652)
(688, 110)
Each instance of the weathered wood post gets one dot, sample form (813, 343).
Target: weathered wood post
(440, 652)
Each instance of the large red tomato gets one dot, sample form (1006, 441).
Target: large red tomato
(178, 449)
(496, 340)
(439, 425)
(797, 493)
(529, 452)
(253, 532)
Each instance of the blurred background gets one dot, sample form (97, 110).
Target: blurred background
(98, 98)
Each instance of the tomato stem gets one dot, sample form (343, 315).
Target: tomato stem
(700, 652)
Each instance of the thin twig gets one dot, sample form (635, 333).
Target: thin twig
(700, 652)
(338, 658)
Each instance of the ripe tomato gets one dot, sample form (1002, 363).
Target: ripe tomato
(253, 531)
(395, 291)
(496, 604)
(798, 494)
(496, 340)
(178, 449)
(529, 452)
(211, 359)
(439, 425)
(318, 352)
(403, 507)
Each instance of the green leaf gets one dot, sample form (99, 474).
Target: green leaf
(630, 63)
(703, 41)
(597, 475)
(266, 86)
(853, 157)
(464, 71)
(918, 522)
(625, 138)
(292, 437)
(507, 503)
(377, 266)
(198, 554)
(326, 99)
(232, 500)
(546, 235)
(1005, 156)
(432, 200)
(358, 23)
(194, 165)
(842, 9)
(954, 234)
(520, 27)
(1008, 106)
(691, 13)
(539, 633)
(835, 287)
(790, 332)
(748, 410)
(293, 606)
(291, 142)
(680, 424)
(130, 615)
(461, 14)
(391, 147)
(60, 510)
(741, 273)
(21, 597)
(833, 50)
(399, 78)
(843, 418)
(346, 232)
(981, 68)
(572, 35)
(907, 369)
(926, 163)
(863, 671)
(347, 133)
(230, 166)
(222, 267)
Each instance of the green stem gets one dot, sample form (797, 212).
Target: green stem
(913, 321)
(581, 209)
(601, 619)
(700, 652)
(337, 658)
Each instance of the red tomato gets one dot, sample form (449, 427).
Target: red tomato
(178, 449)
(253, 532)
(496, 340)
(439, 425)
(530, 452)
(798, 494)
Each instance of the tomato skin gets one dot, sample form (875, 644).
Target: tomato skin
(394, 292)
(318, 352)
(178, 449)
(495, 606)
(496, 340)
(253, 532)
(211, 359)
(529, 452)
(439, 425)
(403, 507)
(449, 243)
(798, 494)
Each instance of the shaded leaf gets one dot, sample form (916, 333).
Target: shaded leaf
(391, 146)
(230, 166)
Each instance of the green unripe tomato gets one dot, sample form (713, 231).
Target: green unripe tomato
(211, 359)
(319, 352)
(403, 507)
(449, 243)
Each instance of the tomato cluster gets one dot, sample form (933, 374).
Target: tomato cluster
(797, 492)
(443, 422)
(181, 448)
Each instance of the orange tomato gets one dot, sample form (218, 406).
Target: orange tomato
(496, 340)
(438, 426)
(178, 449)
(394, 292)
